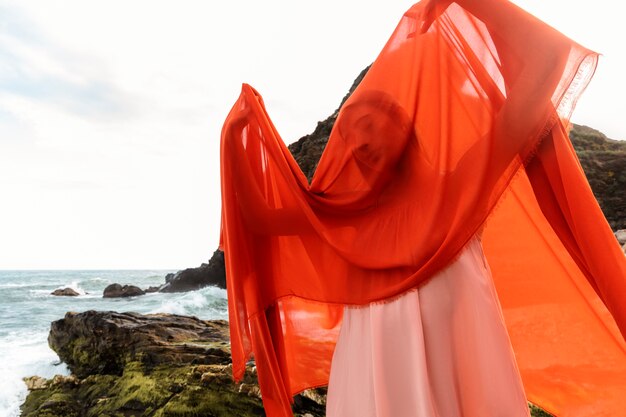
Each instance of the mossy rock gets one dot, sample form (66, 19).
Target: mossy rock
(198, 401)
(50, 403)
(165, 390)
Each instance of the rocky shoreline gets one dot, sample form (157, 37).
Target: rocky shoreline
(131, 364)
(190, 279)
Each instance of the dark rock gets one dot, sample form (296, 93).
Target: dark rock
(96, 342)
(117, 290)
(65, 292)
(604, 163)
(191, 279)
(152, 289)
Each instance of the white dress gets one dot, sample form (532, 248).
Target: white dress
(441, 350)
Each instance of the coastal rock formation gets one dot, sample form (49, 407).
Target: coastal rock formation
(102, 342)
(152, 289)
(604, 163)
(65, 292)
(117, 290)
(149, 365)
(212, 273)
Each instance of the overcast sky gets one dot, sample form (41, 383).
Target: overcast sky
(110, 111)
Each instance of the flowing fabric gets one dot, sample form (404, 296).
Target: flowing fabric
(449, 333)
(453, 131)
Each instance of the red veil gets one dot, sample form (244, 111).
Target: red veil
(456, 131)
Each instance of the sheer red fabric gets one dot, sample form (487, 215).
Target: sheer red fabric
(457, 130)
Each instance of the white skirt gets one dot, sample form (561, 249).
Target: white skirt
(441, 350)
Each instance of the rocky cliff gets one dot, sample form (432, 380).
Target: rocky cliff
(604, 163)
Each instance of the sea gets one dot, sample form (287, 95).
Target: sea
(27, 309)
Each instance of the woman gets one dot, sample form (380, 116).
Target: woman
(466, 102)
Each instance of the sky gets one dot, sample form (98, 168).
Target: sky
(110, 112)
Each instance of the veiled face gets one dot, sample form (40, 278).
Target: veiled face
(377, 130)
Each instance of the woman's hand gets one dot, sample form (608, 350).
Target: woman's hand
(431, 11)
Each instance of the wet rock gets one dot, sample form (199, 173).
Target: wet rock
(35, 382)
(250, 390)
(117, 290)
(101, 342)
(62, 380)
(152, 289)
(65, 292)
(212, 273)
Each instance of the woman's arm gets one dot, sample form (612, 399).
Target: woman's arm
(259, 217)
(532, 59)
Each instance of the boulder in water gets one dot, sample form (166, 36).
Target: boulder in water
(117, 290)
(69, 292)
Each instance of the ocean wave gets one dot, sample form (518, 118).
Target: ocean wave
(206, 303)
(24, 353)
(27, 308)
(23, 285)
(73, 285)
(47, 292)
(155, 276)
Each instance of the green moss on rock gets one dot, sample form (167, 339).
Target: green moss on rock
(165, 390)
